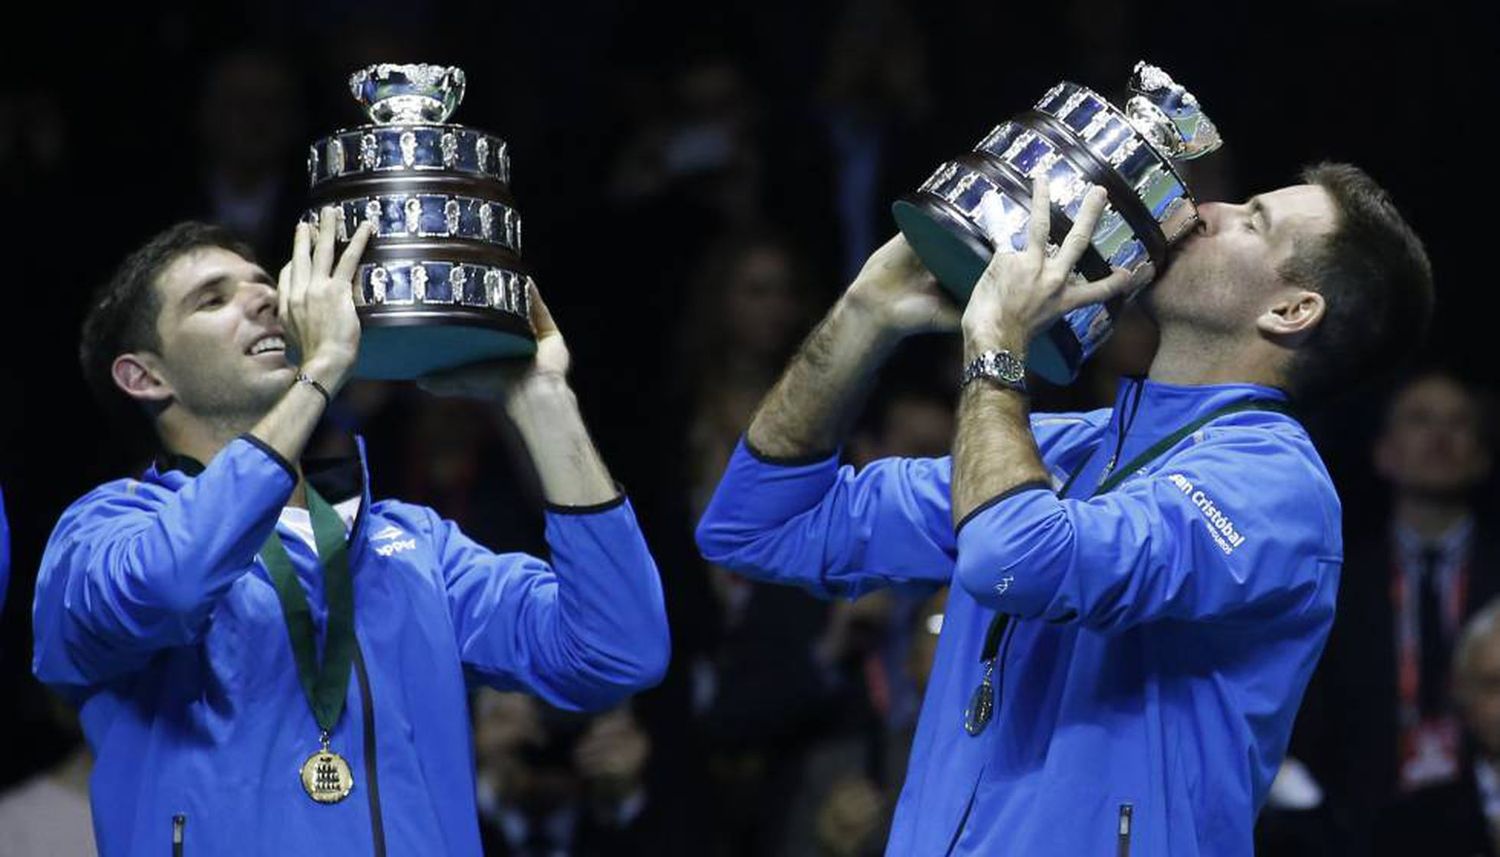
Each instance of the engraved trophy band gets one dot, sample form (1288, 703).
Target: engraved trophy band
(980, 202)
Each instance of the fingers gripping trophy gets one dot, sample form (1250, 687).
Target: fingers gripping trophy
(1074, 141)
(441, 284)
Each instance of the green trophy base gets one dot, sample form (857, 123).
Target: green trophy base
(404, 346)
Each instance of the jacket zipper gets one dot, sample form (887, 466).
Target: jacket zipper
(1127, 813)
(963, 821)
(377, 827)
(179, 821)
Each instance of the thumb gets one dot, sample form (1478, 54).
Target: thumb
(541, 317)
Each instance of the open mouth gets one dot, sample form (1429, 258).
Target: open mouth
(270, 344)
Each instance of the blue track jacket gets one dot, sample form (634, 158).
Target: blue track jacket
(1163, 634)
(154, 614)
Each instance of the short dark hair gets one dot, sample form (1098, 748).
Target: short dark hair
(122, 312)
(1376, 282)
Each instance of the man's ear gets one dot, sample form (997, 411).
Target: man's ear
(1293, 318)
(138, 375)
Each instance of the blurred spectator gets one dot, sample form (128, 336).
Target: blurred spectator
(251, 130)
(874, 92)
(556, 784)
(48, 815)
(702, 147)
(780, 701)
(1378, 720)
(34, 137)
(1460, 818)
(751, 304)
(781, 674)
(853, 820)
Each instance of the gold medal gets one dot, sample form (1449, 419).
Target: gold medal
(326, 776)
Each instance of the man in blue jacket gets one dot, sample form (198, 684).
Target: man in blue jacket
(208, 617)
(1140, 593)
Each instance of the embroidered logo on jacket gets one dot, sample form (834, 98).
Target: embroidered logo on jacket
(397, 547)
(1219, 524)
(391, 531)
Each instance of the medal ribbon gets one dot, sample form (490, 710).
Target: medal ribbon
(1156, 449)
(325, 687)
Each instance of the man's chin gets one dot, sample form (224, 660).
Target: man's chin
(270, 387)
(281, 372)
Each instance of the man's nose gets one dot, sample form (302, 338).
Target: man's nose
(260, 298)
(1212, 214)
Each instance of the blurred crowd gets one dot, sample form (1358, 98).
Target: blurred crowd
(694, 201)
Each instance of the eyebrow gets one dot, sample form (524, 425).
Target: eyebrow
(1258, 207)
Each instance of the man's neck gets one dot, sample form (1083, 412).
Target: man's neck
(1187, 358)
(1430, 518)
(201, 440)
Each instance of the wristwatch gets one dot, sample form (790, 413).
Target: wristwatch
(1001, 367)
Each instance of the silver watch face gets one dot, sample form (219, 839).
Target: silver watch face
(1001, 366)
(1008, 368)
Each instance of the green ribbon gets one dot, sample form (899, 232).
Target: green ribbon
(325, 686)
(1120, 474)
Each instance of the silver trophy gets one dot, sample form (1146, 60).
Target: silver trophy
(981, 200)
(441, 284)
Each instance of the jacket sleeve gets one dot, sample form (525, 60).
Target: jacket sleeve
(1241, 526)
(130, 570)
(582, 632)
(828, 529)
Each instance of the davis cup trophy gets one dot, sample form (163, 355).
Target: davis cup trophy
(441, 283)
(980, 201)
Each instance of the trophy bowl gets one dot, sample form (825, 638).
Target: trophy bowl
(980, 202)
(441, 283)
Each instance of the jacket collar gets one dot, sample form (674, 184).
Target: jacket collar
(1173, 405)
(1146, 411)
(337, 479)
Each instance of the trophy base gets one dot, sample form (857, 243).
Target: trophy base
(956, 254)
(406, 345)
